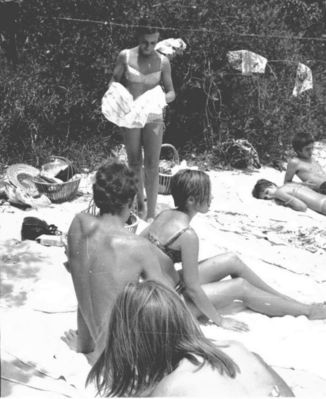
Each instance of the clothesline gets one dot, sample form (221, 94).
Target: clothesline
(203, 30)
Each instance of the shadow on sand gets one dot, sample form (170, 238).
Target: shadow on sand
(19, 263)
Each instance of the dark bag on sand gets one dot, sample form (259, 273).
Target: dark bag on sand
(33, 227)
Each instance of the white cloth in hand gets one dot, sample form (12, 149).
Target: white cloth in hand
(119, 107)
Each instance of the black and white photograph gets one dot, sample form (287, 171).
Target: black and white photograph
(163, 198)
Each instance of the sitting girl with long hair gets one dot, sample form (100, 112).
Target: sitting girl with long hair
(201, 283)
(155, 348)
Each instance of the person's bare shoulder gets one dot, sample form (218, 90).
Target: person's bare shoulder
(294, 162)
(234, 349)
(165, 61)
(88, 223)
(122, 56)
(177, 383)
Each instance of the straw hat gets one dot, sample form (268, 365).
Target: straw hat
(21, 176)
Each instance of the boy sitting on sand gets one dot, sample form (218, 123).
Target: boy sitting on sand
(304, 166)
(293, 195)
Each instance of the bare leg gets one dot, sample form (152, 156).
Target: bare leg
(225, 292)
(152, 141)
(132, 141)
(229, 264)
(85, 341)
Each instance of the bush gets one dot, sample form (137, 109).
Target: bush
(51, 103)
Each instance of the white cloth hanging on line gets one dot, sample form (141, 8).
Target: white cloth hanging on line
(171, 47)
(303, 80)
(247, 62)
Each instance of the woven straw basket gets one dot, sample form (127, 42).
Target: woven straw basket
(163, 178)
(59, 192)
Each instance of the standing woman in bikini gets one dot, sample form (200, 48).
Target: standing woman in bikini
(202, 283)
(141, 69)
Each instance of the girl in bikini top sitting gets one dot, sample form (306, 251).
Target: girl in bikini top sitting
(200, 282)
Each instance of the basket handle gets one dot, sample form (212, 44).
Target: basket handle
(175, 152)
(68, 162)
(53, 157)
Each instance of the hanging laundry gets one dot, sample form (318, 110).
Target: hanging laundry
(303, 80)
(171, 47)
(247, 62)
(119, 107)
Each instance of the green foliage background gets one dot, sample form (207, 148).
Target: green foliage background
(51, 103)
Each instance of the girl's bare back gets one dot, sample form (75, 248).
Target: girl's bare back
(103, 258)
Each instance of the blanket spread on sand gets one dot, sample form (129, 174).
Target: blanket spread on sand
(286, 248)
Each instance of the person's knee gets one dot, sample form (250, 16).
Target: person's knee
(135, 164)
(151, 166)
(235, 263)
(241, 287)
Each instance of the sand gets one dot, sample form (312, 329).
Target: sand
(286, 248)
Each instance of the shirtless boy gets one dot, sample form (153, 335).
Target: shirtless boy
(104, 257)
(294, 195)
(304, 166)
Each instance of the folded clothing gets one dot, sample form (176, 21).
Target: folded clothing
(119, 107)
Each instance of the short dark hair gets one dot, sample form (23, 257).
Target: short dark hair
(260, 187)
(115, 186)
(187, 183)
(300, 140)
(150, 331)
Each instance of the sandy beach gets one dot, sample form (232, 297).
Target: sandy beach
(286, 248)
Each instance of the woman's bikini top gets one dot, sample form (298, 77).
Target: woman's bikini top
(134, 76)
(173, 254)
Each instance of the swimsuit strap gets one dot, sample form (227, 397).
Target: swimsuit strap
(176, 236)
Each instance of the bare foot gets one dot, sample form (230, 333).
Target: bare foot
(317, 311)
(70, 337)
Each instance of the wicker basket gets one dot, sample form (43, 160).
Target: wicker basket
(59, 192)
(164, 179)
(93, 210)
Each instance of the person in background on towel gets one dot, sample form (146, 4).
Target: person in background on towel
(103, 256)
(293, 195)
(156, 348)
(140, 69)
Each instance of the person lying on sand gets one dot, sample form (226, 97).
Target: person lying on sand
(203, 284)
(293, 195)
(156, 348)
(103, 257)
(304, 166)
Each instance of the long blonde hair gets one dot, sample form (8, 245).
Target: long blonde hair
(150, 331)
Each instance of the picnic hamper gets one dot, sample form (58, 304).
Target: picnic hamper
(164, 179)
(59, 192)
(93, 210)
